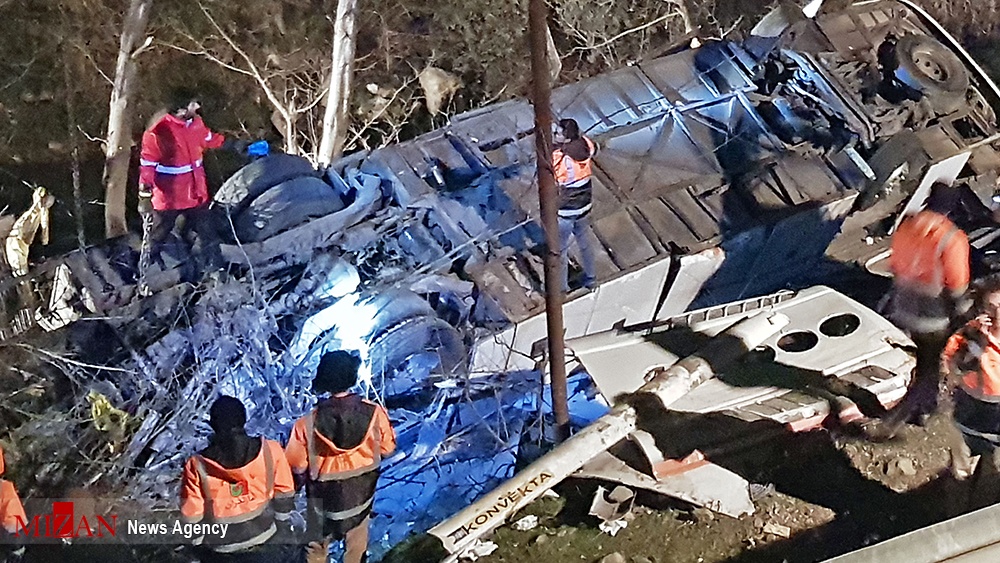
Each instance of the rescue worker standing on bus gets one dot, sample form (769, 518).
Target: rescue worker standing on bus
(336, 451)
(172, 181)
(930, 266)
(242, 481)
(971, 360)
(571, 165)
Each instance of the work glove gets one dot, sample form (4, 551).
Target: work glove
(145, 206)
(258, 149)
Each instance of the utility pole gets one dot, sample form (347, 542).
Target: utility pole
(548, 200)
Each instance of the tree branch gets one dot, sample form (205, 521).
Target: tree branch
(607, 42)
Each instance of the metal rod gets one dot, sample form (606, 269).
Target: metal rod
(548, 200)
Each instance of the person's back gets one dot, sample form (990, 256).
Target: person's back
(930, 254)
(336, 450)
(241, 481)
(930, 266)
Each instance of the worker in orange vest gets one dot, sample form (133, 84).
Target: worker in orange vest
(930, 265)
(571, 165)
(336, 451)
(971, 360)
(10, 504)
(244, 482)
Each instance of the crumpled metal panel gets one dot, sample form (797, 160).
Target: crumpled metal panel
(697, 75)
(613, 100)
(641, 160)
(705, 484)
(492, 125)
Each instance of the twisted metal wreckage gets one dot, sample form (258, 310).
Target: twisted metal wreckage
(726, 171)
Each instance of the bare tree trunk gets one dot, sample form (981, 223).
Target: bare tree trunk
(74, 143)
(684, 9)
(119, 143)
(341, 70)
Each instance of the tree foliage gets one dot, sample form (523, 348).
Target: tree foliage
(482, 42)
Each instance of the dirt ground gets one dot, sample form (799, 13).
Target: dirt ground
(833, 492)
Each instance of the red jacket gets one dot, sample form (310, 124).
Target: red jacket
(171, 162)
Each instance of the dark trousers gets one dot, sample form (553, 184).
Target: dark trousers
(925, 394)
(197, 228)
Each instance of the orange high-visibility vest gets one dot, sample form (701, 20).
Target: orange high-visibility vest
(572, 173)
(10, 503)
(248, 498)
(930, 254)
(340, 481)
(982, 383)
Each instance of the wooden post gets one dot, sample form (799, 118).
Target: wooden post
(549, 203)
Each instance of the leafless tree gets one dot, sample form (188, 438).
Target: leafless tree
(119, 143)
(336, 117)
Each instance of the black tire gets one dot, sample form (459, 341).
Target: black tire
(395, 306)
(255, 178)
(929, 67)
(284, 206)
(413, 340)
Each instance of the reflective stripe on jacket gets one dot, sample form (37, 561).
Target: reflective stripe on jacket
(975, 355)
(574, 180)
(171, 162)
(570, 172)
(340, 481)
(249, 498)
(930, 264)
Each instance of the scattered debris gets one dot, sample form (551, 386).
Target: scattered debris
(612, 505)
(901, 466)
(759, 491)
(478, 549)
(529, 522)
(777, 530)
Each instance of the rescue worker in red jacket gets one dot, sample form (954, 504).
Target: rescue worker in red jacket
(244, 482)
(571, 165)
(971, 360)
(930, 265)
(336, 451)
(172, 178)
(10, 504)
